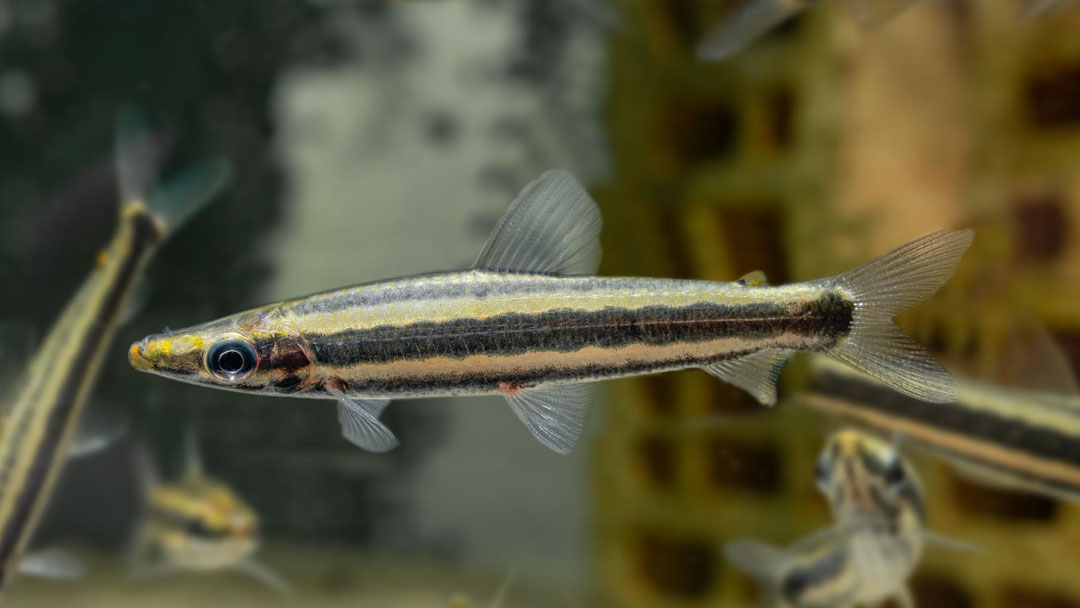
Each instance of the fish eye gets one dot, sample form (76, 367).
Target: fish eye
(894, 472)
(821, 470)
(231, 360)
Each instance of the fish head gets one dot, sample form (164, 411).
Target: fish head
(863, 476)
(202, 523)
(252, 352)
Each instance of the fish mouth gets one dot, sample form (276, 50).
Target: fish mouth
(136, 358)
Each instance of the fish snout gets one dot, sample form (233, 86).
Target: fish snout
(136, 356)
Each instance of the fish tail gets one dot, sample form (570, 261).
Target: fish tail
(170, 204)
(882, 289)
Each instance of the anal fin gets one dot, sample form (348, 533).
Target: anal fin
(755, 373)
(360, 423)
(554, 414)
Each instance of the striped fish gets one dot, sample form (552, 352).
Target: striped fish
(197, 523)
(525, 323)
(876, 541)
(39, 416)
(1022, 438)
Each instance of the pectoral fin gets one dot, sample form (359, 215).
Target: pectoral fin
(360, 424)
(55, 564)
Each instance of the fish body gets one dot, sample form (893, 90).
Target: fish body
(197, 523)
(526, 323)
(876, 541)
(40, 415)
(479, 332)
(1012, 437)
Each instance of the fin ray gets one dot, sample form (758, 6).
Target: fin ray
(755, 373)
(552, 227)
(882, 289)
(554, 414)
(359, 419)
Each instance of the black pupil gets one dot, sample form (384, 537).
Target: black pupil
(895, 473)
(231, 361)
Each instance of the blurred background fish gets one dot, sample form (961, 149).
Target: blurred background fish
(47, 399)
(378, 139)
(196, 523)
(875, 543)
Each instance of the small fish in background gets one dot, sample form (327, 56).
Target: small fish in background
(875, 543)
(755, 18)
(528, 324)
(1021, 431)
(1040, 8)
(43, 410)
(197, 524)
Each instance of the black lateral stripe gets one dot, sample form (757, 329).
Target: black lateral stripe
(511, 334)
(144, 236)
(803, 578)
(1013, 433)
(192, 526)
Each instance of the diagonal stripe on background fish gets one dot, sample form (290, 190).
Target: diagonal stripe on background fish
(41, 413)
(1019, 437)
(525, 322)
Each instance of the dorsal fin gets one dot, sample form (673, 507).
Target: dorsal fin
(137, 155)
(754, 278)
(552, 227)
(1031, 359)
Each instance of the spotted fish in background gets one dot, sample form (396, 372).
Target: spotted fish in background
(1025, 435)
(197, 523)
(39, 416)
(876, 541)
(527, 324)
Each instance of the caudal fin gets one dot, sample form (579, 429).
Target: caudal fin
(137, 157)
(883, 289)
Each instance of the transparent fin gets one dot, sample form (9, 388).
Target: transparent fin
(55, 564)
(137, 156)
(875, 13)
(1039, 8)
(761, 561)
(755, 373)
(146, 471)
(554, 414)
(193, 461)
(882, 289)
(360, 424)
(552, 227)
(174, 202)
(944, 542)
(98, 429)
(137, 161)
(503, 590)
(1034, 361)
(751, 21)
(266, 576)
(754, 278)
